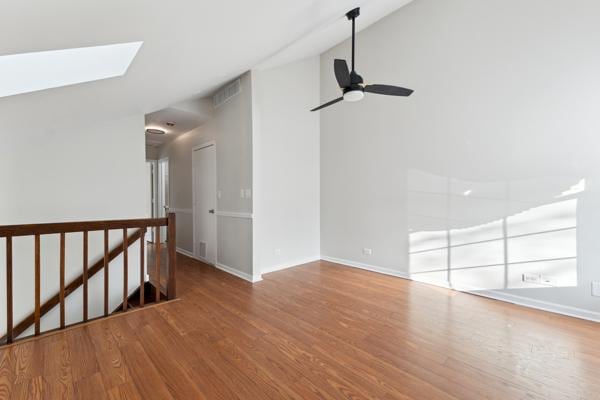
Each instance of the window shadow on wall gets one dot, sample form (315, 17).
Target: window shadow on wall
(522, 244)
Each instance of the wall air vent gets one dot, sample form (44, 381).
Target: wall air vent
(226, 93)
(202, 249)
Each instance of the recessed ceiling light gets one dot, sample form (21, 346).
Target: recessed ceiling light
(30, 72)
(153, 131)
(171, 124)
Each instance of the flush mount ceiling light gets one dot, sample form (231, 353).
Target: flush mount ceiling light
(30, 72)
(153, 131)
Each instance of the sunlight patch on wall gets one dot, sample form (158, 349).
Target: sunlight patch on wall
(533, 248)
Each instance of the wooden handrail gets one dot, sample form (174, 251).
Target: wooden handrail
(88, 272)
(69, 227)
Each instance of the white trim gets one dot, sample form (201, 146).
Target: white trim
(203, 145)
(234, 214)
(368, 267)
(245, 276)
(187, 253)
(539, 304)
(492, 294)
(181, 210)
(291, 264)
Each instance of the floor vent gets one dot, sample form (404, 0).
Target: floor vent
(229, 91)
(202, 249)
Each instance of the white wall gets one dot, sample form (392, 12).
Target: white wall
(503, 121)
(69, 172)
(286, 153)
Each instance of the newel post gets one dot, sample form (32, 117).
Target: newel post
(172, 246)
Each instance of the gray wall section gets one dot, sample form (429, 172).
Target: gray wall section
(234, 244)
(179, 152)
(231, 129)
(498, 127)
(233, 124)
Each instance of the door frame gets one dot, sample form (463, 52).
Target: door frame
(194, 222)
(167, 193)
(154, 195)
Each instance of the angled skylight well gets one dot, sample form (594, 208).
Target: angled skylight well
(31, 72)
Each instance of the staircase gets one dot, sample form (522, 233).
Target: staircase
(133, 232)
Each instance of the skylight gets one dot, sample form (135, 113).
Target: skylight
(30, 72)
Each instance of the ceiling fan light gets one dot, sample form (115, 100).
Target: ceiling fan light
(354, 95)
(153, 131)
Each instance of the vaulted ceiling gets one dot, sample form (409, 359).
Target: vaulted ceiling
(190, 46)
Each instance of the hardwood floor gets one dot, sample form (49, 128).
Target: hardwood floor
(317, 331)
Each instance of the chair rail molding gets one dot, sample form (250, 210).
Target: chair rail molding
(234, 214)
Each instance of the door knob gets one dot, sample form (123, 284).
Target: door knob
(211, 211)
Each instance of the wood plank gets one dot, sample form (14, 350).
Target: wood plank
(57, 369)
(157, 265)
(61, 293)
(110, 360)
(125, 270)
(172, 263)
(82, 354)
(9, 291)
(7, 374)
(105, 264)
(125, 391)
(142, 267)
(91, 387)
(148, 381)
(85, 276)
(37, 289)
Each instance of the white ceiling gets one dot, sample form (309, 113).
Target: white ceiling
(186, 115)
(190, 48)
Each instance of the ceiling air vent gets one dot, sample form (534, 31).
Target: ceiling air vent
(229, 91)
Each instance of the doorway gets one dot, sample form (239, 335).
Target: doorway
(162, 207)
(151, 195)
(204, 176)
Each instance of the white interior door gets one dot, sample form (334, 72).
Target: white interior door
(204, 164)
(163, 194)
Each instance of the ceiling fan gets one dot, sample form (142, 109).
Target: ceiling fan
(351, 83)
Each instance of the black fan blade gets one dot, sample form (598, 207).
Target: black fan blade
(342, 73)
(388, 90)
(328, 104)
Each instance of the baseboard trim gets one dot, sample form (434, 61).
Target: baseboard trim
(239, 274)
(223, 267)
(538, 304)
(187, 253)
(368, 267)
(492, 294)
(287, 265)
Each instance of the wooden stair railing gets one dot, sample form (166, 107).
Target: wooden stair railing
(36, 230)
(72, 287)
